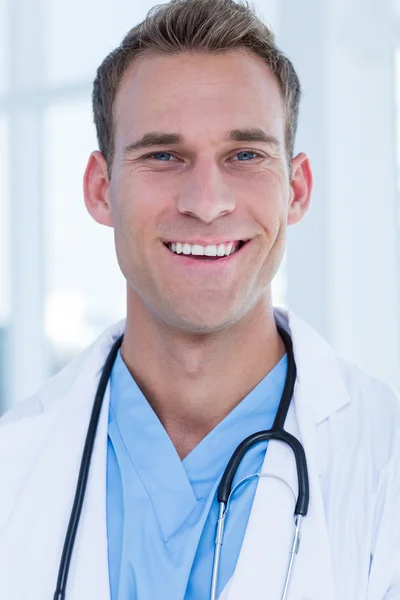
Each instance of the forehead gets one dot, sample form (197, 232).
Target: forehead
(201, 95)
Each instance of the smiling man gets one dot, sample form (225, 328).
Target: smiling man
(196, 114)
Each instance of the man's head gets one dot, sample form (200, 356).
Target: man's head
(196, 115)
(212, 26)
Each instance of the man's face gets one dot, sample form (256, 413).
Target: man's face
(205, 185)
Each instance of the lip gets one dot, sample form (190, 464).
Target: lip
(190, 262)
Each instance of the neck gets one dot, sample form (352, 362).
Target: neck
(193, 381)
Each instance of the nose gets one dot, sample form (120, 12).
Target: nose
(206, 196)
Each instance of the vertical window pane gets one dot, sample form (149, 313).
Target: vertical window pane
(4, 261)
(86, 291)
(4, 229)
(3, 46)
(397, 104)
(98, 26)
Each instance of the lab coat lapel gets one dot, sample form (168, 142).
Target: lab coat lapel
(40, 477)
(264, 557)
(89, 576)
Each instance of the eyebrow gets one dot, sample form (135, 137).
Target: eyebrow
(155, 138)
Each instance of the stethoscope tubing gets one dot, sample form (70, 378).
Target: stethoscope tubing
(303, 497)
(276, 433)
(76, 511)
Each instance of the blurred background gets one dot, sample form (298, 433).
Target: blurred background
(60, 284)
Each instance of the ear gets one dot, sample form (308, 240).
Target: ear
(96, 186)
(300, 188)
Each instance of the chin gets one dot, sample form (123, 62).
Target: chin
(207, 323)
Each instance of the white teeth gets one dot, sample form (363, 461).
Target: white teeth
(210, 251)
(228, 249)
(221, 250)
(199, 250)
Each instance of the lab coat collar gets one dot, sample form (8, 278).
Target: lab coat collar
(314, 357)
(317, 363)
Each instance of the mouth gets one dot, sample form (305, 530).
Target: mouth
(210, 253)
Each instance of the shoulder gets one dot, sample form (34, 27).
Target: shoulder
(361, 392)
(367, 429)
(375, 403)
(355, 411)
(368, 393)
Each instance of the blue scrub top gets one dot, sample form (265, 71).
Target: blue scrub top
(162, 511)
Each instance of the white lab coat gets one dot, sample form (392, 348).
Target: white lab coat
(348, 422)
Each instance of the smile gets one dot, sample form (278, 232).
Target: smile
(211, 251)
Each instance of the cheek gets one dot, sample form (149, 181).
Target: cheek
(127, 228)
(138, 212)
(133, 208)
(270, 212)
(267, 192)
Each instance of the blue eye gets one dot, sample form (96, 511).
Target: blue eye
(162, 154)
(247, 154)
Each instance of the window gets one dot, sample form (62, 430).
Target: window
(85, 289)
(4, 260)
(97, 26)
(4, 226)
(3, 46)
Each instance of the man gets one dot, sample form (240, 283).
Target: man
(196, 116)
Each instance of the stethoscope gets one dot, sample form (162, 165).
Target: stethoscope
(225, 490)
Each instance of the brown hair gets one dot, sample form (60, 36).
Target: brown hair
(200, 25)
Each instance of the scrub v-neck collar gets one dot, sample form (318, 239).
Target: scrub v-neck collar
(174, 487)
